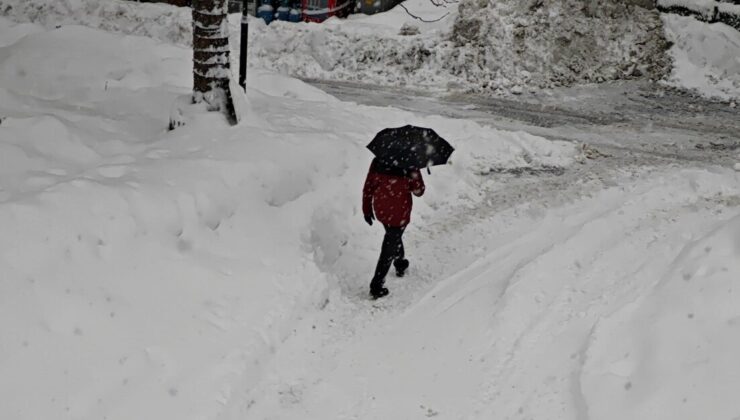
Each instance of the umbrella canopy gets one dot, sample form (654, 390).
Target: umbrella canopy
(410, 147)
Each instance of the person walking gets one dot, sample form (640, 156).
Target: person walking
(386, 195)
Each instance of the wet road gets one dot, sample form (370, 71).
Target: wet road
(639, 122)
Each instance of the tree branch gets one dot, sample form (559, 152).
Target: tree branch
(443, 3)
(422, 19)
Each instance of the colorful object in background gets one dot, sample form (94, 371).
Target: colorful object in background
(266, 11)
(310, 10)
(283, 11)
(295, 14)
(320, 10)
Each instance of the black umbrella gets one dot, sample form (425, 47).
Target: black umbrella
(410, 147)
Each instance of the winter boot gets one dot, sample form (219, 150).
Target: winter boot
(401, 267)
(378, 292)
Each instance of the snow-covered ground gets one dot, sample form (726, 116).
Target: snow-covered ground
(151, 274)
(219, 272)
(706, 56)
(154, 20)
(704, 8)
(619, 305)
(498, 47)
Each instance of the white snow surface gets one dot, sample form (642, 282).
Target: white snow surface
(729, 8)
(154, 20)
(622, 305)
(501, 47)
(703, 7)
(498, 47)
(219, 272)
(153, 274)
(706, 56)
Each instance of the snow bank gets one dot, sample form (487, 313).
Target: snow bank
(724, 11)
(706, 56)
(151, 274)
(674, 350)
(501, 46)
(489, 46)
(159, 21)
(704, 8)
(558, 42)
(496, 46)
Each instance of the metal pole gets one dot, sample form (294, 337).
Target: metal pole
(243, 47)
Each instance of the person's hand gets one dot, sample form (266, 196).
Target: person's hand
(369, 219)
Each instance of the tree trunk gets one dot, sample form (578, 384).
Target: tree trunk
(211, 73)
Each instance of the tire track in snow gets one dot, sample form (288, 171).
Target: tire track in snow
(363, 350)
(566, 305)
(564, 309)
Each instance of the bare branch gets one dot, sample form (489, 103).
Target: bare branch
(443, 3)
(422, 19)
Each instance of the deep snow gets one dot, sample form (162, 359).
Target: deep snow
(497, 47)
(501, 47)
(619, 305)
(154, 20)
(151, 274)
(221, 272)
(706, 56)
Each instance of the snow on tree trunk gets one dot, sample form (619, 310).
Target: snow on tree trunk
(211, 73)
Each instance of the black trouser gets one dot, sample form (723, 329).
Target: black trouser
(392, 250)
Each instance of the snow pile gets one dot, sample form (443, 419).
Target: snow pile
(706, 56)
(367, 49)
(486, 46)
(154, 20)
(475, 46)
(706, 9)
(725, 11)
(729, 14)
(152, 274)
(559, 42)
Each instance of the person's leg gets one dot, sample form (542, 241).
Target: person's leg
(400, 254)
(401, 263)
(392, 245)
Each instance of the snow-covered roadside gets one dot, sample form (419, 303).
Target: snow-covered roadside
(503, 47)
(497, 47)
(147, 274)
(706, 56)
